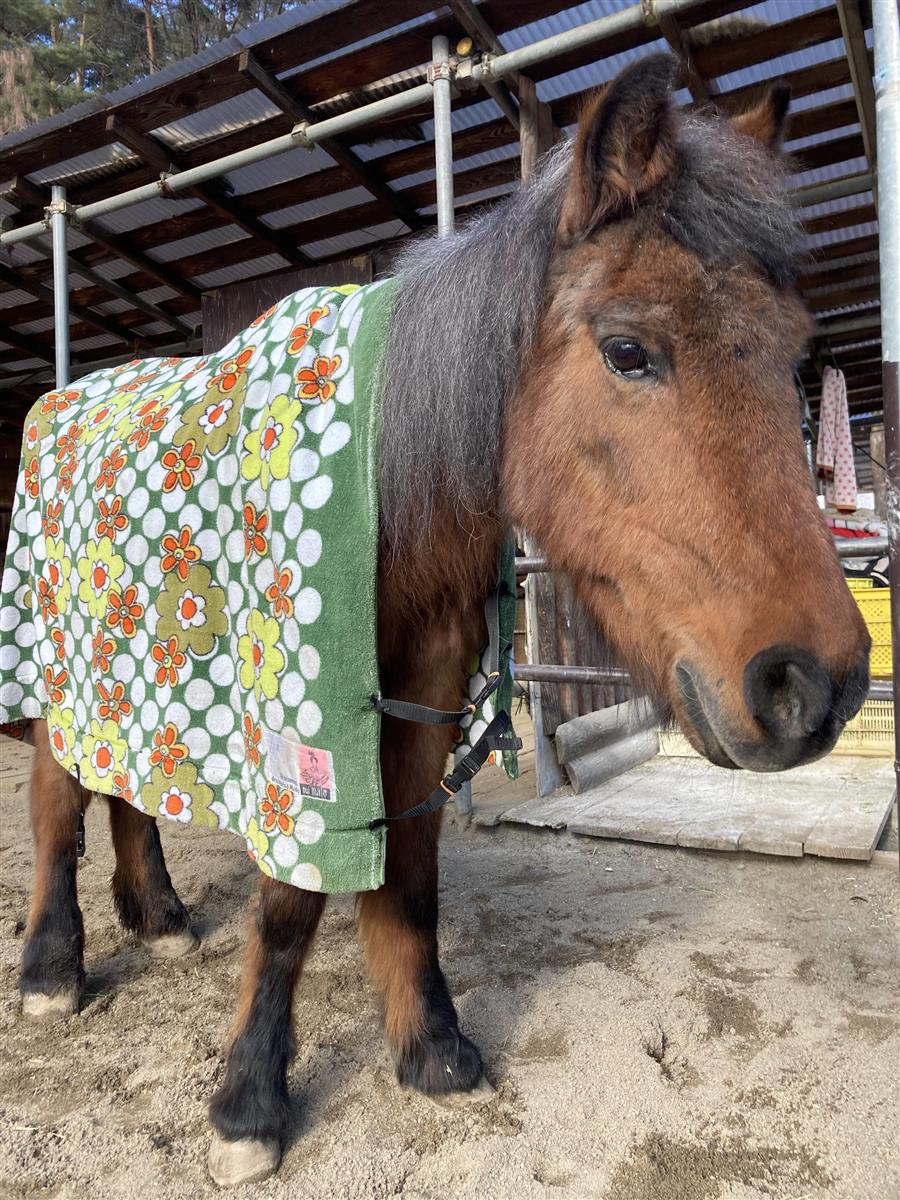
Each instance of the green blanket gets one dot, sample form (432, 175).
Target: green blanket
(190, 586)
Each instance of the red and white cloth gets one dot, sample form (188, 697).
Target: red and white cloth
(834, 453)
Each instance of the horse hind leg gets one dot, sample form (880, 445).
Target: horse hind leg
(52, 974)
(145, 899)
(250, 1111)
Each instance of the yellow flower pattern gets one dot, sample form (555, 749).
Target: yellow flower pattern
(99, 570)
(261, 656)
(268, 447)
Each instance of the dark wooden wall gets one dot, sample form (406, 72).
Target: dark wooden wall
(228, 310)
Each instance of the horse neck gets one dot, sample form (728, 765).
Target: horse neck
(440, 580)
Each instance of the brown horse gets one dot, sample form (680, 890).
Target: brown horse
(606, 360)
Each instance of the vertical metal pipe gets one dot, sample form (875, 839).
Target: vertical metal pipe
(59, 231)
(887, 120)
(443, 134)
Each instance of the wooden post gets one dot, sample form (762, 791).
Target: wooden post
(535, 127)
(876, 449)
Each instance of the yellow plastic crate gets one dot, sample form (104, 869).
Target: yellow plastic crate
(875, 605)
(870, 734)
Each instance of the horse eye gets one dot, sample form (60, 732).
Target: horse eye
(626, 357)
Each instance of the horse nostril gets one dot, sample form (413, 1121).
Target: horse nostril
(788, 692)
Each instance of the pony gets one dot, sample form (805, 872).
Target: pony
(606, 360)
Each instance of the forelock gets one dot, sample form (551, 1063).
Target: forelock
(727, 198)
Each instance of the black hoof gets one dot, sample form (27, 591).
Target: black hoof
(252, 1102)
(52, 971)
(151, 916)
(441, 1063)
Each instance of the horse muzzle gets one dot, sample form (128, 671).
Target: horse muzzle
(796, 706)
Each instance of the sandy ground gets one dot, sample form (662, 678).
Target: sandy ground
(660, 1024)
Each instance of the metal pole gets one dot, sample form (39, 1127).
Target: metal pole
(59, 232)
(440, 76)
(873, 547)
(886, 28)
(818, 193)
(556, 673)
(300, 135)
(635, 17)
(443, 134)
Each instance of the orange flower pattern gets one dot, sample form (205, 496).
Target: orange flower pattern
(179, 553)
(315, 382)
(102, 649)
(55, 681)
(113, 706)
(181, 466)
(124, 611)
(167, 751)
(112, 519)
(274, 810)
(151, 419)
(301, 334)
(255, 525)
(231, 370)
(169, 661)
(109, 469)
(32, 478)
(252, 736)
(277, 593)
(50, 519)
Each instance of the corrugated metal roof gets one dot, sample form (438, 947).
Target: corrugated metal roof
(199, 134)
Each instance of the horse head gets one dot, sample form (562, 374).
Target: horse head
(653, 445)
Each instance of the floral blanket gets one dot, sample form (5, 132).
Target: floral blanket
(189, 595)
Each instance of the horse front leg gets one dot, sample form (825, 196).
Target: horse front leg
(145, 900)
(250, 1110)
(398, 924)
(52, 974)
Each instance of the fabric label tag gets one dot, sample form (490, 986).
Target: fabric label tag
(302, 769)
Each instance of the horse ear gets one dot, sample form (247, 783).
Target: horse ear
(767, 119)
(623, 148)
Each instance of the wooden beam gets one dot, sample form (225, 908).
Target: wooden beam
(812, 284)
(214, 193)
(536, 131)
(28, 345)
(500, 91)
(16, 279)
(367, 173)
(26, 194)
(843, 297)
(844, 218)
(787, 37)
(473, 22)
(701, 89)
(860, 73)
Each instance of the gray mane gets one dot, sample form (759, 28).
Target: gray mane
(468, 306)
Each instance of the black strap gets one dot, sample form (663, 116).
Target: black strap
(420, 713)
(405, 710)
(497, 736)
(79, 827)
